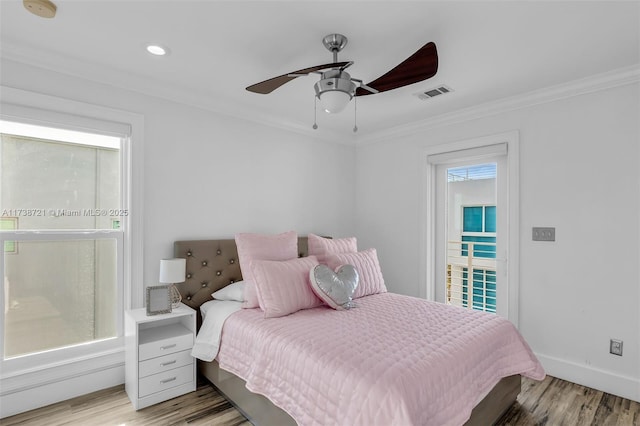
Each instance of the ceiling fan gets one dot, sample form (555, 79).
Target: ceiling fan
(336, 87)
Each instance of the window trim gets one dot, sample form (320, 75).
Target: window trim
(476, 147)
(36, 108)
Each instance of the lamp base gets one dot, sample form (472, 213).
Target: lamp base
(175, 296)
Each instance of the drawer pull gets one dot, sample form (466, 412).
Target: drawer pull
(168, 347)
(167, 380)
(164, 364)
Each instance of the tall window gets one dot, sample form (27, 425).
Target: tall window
(471, 254)
(63, 224)
(479, 241)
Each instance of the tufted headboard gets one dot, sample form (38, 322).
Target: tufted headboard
(211, 265)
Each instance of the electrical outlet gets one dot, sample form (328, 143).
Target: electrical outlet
(543, 234)
(615, 347)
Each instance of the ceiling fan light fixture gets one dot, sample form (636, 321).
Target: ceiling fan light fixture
(334, 101)
(335, 90)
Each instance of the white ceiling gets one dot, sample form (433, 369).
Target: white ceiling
(487, 50)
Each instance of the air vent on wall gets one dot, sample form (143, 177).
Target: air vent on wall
(432, 93)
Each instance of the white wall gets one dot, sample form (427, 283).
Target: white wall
(208, 176)
(579, 172)
(205, 176)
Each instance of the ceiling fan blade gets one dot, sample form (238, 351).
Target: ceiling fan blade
(272, 84)
(420, 66)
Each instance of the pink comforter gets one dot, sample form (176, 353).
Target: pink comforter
(393, 360)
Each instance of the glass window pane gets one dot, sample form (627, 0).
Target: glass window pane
(49, 184)
(480, 250)
(490, 219)
(475, 172)
(59, 293)
(472, 219)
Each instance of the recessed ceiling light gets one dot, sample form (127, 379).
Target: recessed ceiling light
(157, 50)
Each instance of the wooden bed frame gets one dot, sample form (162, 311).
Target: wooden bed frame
(213, 264)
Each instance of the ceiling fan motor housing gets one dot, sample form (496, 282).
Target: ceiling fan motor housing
(335, 80)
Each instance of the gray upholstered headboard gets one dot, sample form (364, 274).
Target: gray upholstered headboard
(211, 265)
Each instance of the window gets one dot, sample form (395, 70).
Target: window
(65, 226)
(61, 288)
(479, 226)
(478, 232)
(102, 248)
(482, 291)
(472, 172)
(471, 254)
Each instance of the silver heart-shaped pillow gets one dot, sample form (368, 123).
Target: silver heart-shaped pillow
(334, 288)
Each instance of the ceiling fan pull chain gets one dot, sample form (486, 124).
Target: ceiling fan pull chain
(315, 112)
(355, 114)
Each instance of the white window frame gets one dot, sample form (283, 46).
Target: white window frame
(22, 373)
(472, 148)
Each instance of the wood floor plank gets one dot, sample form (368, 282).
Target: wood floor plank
(558, 402)
(549, 402)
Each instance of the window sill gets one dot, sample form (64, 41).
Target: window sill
(51, 373)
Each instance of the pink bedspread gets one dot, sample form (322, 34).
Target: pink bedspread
(393, 360)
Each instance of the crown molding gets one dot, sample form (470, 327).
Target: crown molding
(113, 77)
(153, 88)
(595, 83)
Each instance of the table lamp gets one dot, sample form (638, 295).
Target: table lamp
(172, 271)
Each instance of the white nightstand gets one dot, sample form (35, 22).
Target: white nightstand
(159, 365)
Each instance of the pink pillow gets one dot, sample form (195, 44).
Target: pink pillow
(368, 267)
(263, 247)
(323, 247)
(250, 296)
(283, 286)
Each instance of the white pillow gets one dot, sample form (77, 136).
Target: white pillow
(233, 291)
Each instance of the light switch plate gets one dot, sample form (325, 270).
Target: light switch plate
(543, 234)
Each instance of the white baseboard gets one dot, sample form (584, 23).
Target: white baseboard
(27, 393)
(605, 381)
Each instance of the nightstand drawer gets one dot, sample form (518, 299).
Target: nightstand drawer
(160, 347)
(168, 379)
(164, 363)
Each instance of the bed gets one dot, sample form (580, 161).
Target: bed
(214, 264)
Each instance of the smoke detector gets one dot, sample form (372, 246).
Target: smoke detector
(432, 93)
(41, 8)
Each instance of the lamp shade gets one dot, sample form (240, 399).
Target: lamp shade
(172, 270)
(334, 101)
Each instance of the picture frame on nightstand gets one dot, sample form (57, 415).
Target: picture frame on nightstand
(158, 300)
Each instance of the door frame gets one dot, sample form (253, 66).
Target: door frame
(428, 207)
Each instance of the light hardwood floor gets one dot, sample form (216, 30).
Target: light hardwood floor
(550, 402)
(557, 402)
